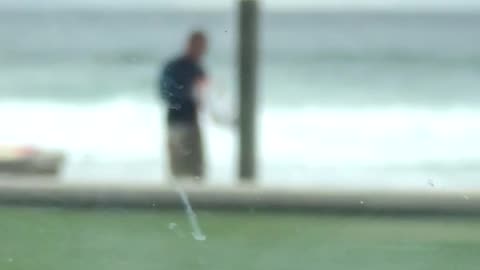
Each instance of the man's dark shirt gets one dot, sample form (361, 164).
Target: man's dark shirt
(177, 83)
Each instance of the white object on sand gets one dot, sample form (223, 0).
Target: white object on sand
(29, 160)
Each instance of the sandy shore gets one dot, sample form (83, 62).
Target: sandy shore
(30, 192)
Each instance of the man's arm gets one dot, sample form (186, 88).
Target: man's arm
(200, 87)
(200, 90)
(164, 83)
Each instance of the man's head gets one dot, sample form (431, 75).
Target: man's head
(197, 45)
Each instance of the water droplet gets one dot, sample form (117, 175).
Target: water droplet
(430, 182)
(185, 151)
(153, 204)
(10, 260)
(192, 218)
(199, 236)
(466, 197)
(201, 261)
(175, 106)
(172, 225)
(362, 202)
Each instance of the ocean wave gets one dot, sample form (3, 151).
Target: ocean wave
(309, 140)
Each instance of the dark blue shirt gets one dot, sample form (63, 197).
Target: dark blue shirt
(177, 83)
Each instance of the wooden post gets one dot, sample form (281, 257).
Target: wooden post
(247, 46)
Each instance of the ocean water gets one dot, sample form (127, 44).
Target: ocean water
(345, 98)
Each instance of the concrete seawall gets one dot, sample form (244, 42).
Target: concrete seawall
(49, 193)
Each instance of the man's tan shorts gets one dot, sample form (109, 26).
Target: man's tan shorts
(185, 150)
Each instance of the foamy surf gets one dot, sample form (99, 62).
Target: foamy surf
(125, 139)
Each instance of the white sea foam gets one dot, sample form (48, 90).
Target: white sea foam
(124, 139)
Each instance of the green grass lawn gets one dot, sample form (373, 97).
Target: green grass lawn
(55, 239)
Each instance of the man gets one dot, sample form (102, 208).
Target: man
(180, 83)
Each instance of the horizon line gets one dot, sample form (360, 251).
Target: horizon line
(425, 9)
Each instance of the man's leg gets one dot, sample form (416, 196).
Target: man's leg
(186, 151)
(174, 151)
(196, 157)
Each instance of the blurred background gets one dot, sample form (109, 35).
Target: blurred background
(376, 97)
(350, 90)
